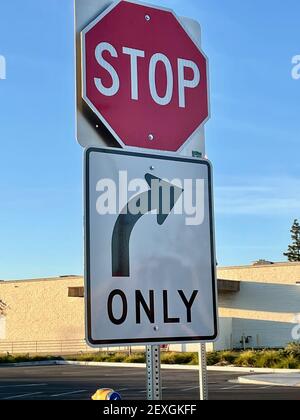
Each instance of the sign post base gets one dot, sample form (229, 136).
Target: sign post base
(154, 388)
(203, 373)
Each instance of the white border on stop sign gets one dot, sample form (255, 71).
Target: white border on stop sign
(198, 132)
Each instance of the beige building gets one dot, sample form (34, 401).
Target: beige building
(264, 308)
(258, 307)
(44, 314)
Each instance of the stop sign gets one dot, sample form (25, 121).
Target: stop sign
(144, 76)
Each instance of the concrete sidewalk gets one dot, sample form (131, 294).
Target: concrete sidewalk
(284, 380)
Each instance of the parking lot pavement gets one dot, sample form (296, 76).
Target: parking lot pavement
(80, 383)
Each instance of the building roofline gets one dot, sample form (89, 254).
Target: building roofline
(271, 265)
(39, 280)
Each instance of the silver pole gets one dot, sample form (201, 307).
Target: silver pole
(154, 389)
(203, 373)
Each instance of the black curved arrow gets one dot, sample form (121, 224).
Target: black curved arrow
(165, 198)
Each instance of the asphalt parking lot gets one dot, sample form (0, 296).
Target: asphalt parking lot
(80, 382)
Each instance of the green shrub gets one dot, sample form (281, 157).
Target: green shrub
(293, 349)
(184, 358)
(103, 357)
(268, 359)
(288, 358)
(7, 358)
(168, 358)
(213, 358)
(194, 360)
(118, 358)
(21, 358)
(289, 362)
(135, 358)
(93, 357)
(246, 359)
(229, 357)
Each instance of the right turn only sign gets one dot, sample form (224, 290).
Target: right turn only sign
(150, 259)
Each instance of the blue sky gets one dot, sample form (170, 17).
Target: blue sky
(252, 137)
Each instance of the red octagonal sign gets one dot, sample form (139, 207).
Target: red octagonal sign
(144, 76)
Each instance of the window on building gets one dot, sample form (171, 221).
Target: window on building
(76, 292)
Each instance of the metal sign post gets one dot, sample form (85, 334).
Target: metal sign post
(154, 386)
(203, 373)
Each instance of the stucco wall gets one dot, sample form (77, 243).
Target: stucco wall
(285, 273)
(269, 302)
(42, 310)
(267, 305)
(264, 334)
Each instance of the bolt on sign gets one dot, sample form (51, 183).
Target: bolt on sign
(143, 77)
(150, 258)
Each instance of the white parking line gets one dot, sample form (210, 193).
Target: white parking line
(241, 387)
(22, 386)
(70, 393)
(118, 375)
(230, 387)
(145, 391)
(191, 388)
(21, 396)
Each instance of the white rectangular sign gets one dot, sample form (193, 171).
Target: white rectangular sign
(150, 259)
